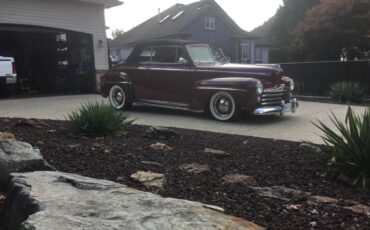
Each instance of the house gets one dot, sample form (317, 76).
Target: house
(58, 46)
(203, 21)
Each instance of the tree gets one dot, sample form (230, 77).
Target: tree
(117, 33)
(279, 29)
(288, 16)
(334, 30)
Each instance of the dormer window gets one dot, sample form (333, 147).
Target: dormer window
(210, 23)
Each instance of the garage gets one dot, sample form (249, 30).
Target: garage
(49, 61)
(59, 47)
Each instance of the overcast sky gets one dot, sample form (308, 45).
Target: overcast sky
(248, 14)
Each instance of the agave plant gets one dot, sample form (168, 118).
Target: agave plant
(96, 119)
(349, 149)
(347, 92)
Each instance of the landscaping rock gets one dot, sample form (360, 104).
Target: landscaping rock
(360, 209)
(6, 136)
(292, 207)
(54, 200)
(308, 146)
(239, 179)
(323, 200)
(281, 193)
(151, 163)
(16, 156)
(75, 146)
(2, 198)
(32, 123)
(161, 146)
(194, 168)
(216, 152)
(149, 179)
(160, 133)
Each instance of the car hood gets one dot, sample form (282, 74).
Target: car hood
(269, 75)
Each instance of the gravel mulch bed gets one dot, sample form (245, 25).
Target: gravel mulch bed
(269, 162)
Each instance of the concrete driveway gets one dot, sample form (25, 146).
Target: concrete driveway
(295, 127)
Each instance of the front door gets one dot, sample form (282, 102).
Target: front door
(165, 78)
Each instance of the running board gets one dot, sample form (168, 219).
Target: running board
(167, 107)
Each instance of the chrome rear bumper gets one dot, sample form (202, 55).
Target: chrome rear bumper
(279, 110)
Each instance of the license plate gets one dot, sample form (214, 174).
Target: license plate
(288, 107)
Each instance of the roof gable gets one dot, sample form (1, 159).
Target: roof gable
(172, 22)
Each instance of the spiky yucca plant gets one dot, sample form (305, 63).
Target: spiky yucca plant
(96, 119)
(347, 92)
(349, 150)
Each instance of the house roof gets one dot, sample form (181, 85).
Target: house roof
(106, 3)
(167, 25)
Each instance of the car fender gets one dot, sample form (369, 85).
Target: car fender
(243, 91)
(120, 78)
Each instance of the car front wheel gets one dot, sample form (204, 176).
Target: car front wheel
(223, 107)
(118, 98)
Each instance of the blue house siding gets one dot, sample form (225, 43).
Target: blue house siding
(221, 36)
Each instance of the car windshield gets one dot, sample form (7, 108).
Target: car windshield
(206, 54)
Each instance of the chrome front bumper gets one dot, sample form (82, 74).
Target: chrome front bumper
(279, 110)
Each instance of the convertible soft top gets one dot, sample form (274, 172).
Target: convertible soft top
(140, 45)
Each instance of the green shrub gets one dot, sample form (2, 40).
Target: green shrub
(96, 119)
(347, 92)
(349, 150)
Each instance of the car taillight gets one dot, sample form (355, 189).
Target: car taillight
(14, 68)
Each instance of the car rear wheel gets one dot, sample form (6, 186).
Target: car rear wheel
(118, 98)
(223, 107)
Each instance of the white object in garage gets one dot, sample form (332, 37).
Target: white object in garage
(7, 70)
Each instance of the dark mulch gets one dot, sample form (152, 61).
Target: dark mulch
(270, 162)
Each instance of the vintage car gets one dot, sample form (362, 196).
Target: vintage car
(196, 77)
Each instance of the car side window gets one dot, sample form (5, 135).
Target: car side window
(146, 55)
(163, 54)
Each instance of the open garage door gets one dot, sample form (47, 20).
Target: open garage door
(49, 61)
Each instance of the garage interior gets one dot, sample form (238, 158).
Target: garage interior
(49, 61)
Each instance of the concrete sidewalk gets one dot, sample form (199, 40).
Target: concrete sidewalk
(295, 127)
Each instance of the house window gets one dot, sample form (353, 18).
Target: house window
(258, 54)
(210, 23)
(245, 51)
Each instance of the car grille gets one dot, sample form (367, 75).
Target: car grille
(273, 97)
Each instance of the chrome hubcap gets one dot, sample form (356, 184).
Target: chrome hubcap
(223, 106)
(118, 97)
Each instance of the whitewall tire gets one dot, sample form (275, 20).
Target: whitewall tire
(117, 97)
(222, 106)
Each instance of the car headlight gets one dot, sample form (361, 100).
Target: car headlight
(259, 88)
(291, 85)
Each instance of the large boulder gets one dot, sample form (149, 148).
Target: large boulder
(54, 200)
(16, 156)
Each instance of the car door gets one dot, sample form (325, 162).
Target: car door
(166, 79)
(143, 81)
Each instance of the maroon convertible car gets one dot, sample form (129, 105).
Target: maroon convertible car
(196, 77)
